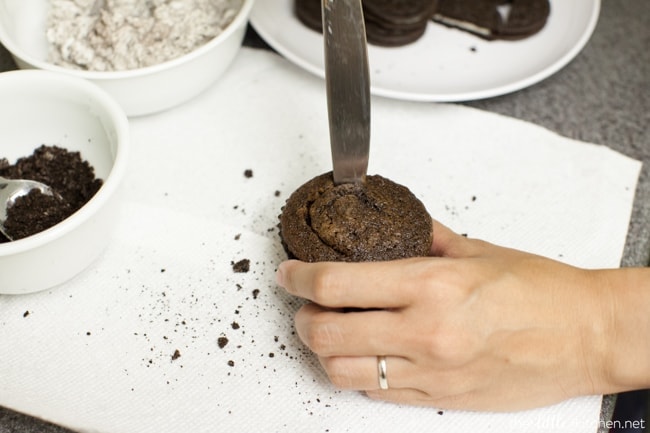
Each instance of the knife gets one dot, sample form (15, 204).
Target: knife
(348, 88)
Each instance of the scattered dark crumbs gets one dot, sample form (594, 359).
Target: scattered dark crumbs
(248, 173)
(233, 339)
(26, 313)
(241, 266)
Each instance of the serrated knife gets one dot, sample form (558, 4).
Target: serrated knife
(348, 88)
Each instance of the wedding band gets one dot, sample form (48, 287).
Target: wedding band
(381, 369)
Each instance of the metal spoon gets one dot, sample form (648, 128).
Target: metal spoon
(10, 190)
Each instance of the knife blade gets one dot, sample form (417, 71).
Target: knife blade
(348, 88)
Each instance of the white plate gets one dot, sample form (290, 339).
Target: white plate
(445, 64)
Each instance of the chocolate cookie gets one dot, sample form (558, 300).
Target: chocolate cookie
(394, 38)
(397, 13)
(375, 221)
(397, 22)
(309, 13)
(388, 23)
(494, 19)
(524, 18)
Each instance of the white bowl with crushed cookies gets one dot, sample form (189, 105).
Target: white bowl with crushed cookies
(149, 55)
(71, 135)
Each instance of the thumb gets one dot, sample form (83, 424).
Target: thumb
(447, 243)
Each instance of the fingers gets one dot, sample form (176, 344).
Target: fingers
(443, 239)
(360, 285)
(347, 345)
(404, 379)
(409, 396)
(390, 296)
(362, 373)
(469, 328)
(416, 397)
(390, 284)
(364, 333)
(447, 243)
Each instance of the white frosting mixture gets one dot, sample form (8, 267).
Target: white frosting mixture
(114, 35)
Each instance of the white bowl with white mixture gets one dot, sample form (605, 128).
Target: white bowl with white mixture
(45, 108)
(35, 38)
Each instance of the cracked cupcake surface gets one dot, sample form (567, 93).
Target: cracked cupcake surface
(375, 221)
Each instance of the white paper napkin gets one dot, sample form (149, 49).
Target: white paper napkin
(161, 335)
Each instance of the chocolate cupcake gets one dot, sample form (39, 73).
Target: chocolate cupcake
(374, 221)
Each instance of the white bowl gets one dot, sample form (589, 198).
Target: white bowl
(41, 107)
(139, 91)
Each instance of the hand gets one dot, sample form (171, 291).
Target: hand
(476, 326)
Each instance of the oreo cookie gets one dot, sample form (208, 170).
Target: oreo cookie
(381, 35)
(394, 23)
(309, 13)
(389, 23)
(494, 19)
(397, 22)
(524, 18)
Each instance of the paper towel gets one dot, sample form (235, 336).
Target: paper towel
(162, 335)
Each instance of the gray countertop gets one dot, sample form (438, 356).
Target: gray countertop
(602, 97)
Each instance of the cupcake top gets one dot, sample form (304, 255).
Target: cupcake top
(373, 221)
